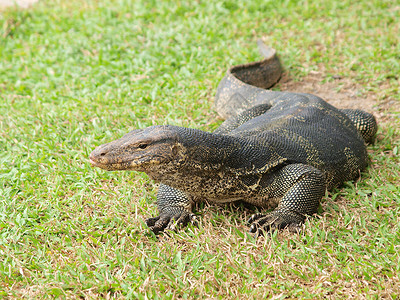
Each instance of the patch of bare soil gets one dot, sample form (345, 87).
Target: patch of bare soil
(341, 93)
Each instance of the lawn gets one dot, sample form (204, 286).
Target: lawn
(77, 74)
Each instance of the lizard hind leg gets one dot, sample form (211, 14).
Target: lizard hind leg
(301, 188)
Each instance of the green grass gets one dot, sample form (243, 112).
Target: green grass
(76, 74)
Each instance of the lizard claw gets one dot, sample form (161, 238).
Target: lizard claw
(157, 224)
(167, 221)
(181, 221)
(261, 224)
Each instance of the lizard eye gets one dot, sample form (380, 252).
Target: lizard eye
(142, 146)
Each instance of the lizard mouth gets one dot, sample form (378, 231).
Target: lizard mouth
(94, 163)
(107, 166)
(138, 164)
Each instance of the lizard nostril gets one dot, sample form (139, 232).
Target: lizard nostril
(102, 154)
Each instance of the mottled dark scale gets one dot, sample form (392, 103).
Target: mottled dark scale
(276, 150)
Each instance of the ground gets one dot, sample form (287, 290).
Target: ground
(342, 93)
(76, 74)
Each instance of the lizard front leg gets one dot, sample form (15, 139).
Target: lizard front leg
(175, 208)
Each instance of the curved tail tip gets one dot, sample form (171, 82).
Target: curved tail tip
(265, 51)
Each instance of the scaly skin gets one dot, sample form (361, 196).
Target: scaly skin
(276, 150)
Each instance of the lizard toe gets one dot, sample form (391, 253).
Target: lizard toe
(158, 224)
(261, 224)
(167, 221)
(150, 222)
(181, 220)
(254, 217)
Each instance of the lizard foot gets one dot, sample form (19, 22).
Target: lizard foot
(168, 221)
(261, 223)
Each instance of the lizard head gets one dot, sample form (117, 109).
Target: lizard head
(139, 150)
